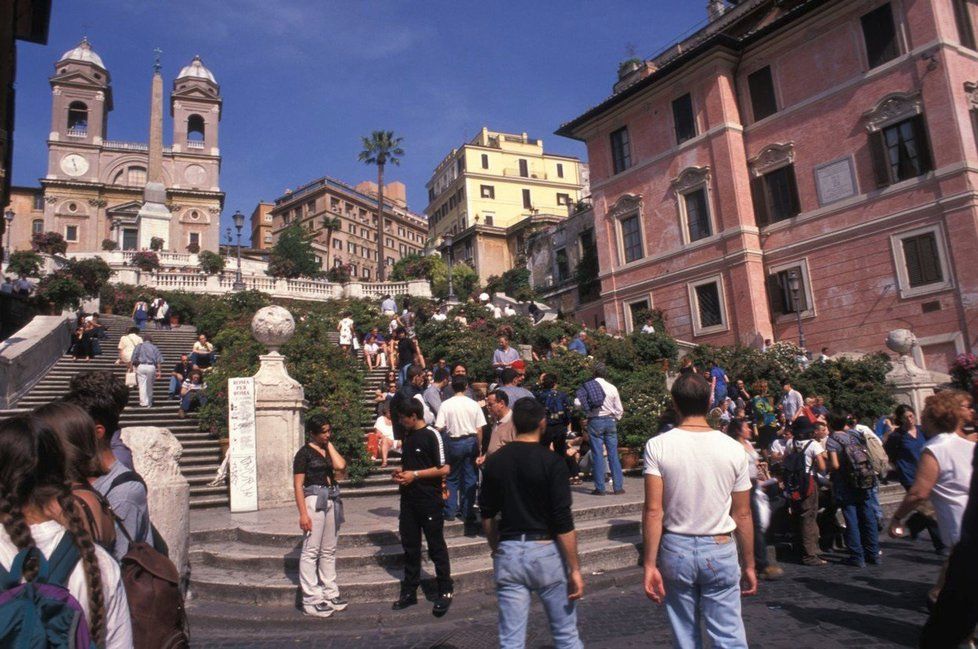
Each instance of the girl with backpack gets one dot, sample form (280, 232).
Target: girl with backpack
(140, 313)
(76, 430)
(42, 537)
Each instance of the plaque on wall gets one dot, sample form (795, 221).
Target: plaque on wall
(835, 181)
(241, 448)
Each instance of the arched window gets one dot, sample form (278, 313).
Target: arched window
(78, 117)
(195, 128)
(136, 176)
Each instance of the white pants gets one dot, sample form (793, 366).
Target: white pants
(317, 561)
(145, 377)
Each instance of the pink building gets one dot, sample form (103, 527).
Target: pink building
(829, 138)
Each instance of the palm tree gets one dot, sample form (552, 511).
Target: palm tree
(380, 148)
(331, 224)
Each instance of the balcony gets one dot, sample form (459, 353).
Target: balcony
(533, 175)
(195, 144)
(77, 132)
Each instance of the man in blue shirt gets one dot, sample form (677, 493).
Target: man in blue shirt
(578, 344)
(718, 383)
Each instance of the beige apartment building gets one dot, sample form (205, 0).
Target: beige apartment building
(355, 241)
(261, 226)
(495, 190)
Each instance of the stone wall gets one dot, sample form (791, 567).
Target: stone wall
(29, 353)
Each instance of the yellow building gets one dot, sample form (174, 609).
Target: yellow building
(490, 192)
(261, 226)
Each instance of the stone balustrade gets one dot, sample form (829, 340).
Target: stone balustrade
(296, 289)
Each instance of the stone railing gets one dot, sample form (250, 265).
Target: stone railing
(296, 289)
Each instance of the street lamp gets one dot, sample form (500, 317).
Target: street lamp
(794, 285)
(238, 224)
(9, 217)
(446, 243)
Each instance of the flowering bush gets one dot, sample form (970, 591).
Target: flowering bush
(211, 262)
(61, 290)
(145, 261)
(109, 245)
(339, 274)
(92, 274)
(51, 243)
(193, 248)
(964, 372)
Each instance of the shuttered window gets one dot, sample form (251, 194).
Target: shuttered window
(621, 153)
(631, 237)
(779, 291)
(760, 84)
(901, 151)
(708, 304)
(697, 215)
(922, 260)
(682, 115)
(879, 33)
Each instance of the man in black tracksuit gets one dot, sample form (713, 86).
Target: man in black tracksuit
(423, 466)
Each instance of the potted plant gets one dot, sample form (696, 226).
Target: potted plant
(145, 261)
(109, 245)
(628, 66)
(193, 248)
(156, 244)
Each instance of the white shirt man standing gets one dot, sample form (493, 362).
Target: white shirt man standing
(461, 419)
(697, 496)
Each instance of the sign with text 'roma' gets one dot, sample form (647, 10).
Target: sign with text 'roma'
(241, 448)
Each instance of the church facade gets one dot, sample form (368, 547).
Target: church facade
(96, 190)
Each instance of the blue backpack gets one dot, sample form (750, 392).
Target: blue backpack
(42, 613)
(558, 408)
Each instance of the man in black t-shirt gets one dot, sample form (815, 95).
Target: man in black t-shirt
(405, 352)
(181, 371)
(423, 467)
(534, 545)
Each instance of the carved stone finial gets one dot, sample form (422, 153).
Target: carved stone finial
(273, 326)
(901, 341)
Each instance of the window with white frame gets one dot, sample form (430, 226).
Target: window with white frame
(194, 239)
(921, 261)
(637, 312)
(708, 307)
(774, 189)
(627, 212)
(898, 139)
(780, 293)
(692, 193)
(37, 226)
(631, 238)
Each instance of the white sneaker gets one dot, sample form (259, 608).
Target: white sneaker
(322, 609)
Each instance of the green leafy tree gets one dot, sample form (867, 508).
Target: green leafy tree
(92, 274)
(515, 283)
(61, 290)
(50, 243)
(109, 245)
(156, 244)
(211, 262)
(853, 386)
(293, 255)
(588, 284)
(380, 149)
(25, 263)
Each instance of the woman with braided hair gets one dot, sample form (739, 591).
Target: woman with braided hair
(37, 508)
(76, 429)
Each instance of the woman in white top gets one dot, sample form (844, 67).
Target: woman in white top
(126, 344)
(345, 327)
(945, 468)
(37, 508)
(384, 428)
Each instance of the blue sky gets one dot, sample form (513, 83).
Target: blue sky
(302, 80)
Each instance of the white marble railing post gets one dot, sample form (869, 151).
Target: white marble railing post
(156, 456)
(279, 406)
(912, 384)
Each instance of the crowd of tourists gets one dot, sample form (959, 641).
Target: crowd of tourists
(80, 561)
(730, 466)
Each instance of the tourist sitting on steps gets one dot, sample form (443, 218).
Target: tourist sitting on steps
(192, 394)
(317, 496)
(202, 355)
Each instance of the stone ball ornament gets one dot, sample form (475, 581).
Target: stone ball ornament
(901, 341)
(273, 326)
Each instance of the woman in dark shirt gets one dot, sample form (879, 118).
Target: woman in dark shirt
(320, 516)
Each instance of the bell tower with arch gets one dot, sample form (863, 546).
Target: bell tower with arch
(195, 105)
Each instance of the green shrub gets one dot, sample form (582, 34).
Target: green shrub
(145, 261)
(644, 398)
(852, 386)
(92, 274)
(25, 263)
(211, 262)
(156, 244)
(60, 290)
(50, 243)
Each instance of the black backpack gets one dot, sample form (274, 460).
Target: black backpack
(796, 473)
(557, 408)
(855, 462)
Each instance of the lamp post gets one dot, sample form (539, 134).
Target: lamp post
(238, 224)
(446, 242)
(794, 285)
(9, 217)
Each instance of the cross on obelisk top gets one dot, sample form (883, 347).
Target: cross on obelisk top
(157, 66)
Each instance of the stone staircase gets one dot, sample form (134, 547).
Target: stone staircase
(201, 454)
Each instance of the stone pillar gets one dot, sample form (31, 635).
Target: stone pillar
(156, 455)
(912, 384)
(279, 405)
(353, 289)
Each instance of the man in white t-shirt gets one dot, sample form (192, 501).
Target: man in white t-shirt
(461, 419)
(697, 497)
(803, 507)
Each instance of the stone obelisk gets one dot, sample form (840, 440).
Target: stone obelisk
(154, 217)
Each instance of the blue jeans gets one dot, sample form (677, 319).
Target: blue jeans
(174, 386)
(874, 499)
(602, 433)
(193, 400)
(862, 534)
(702, 580)
(524, 567)
(462, 478)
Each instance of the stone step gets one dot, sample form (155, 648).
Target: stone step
(469, 573)
(207, 502)
(237, 557)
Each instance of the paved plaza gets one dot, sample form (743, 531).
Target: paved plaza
(834, 606)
